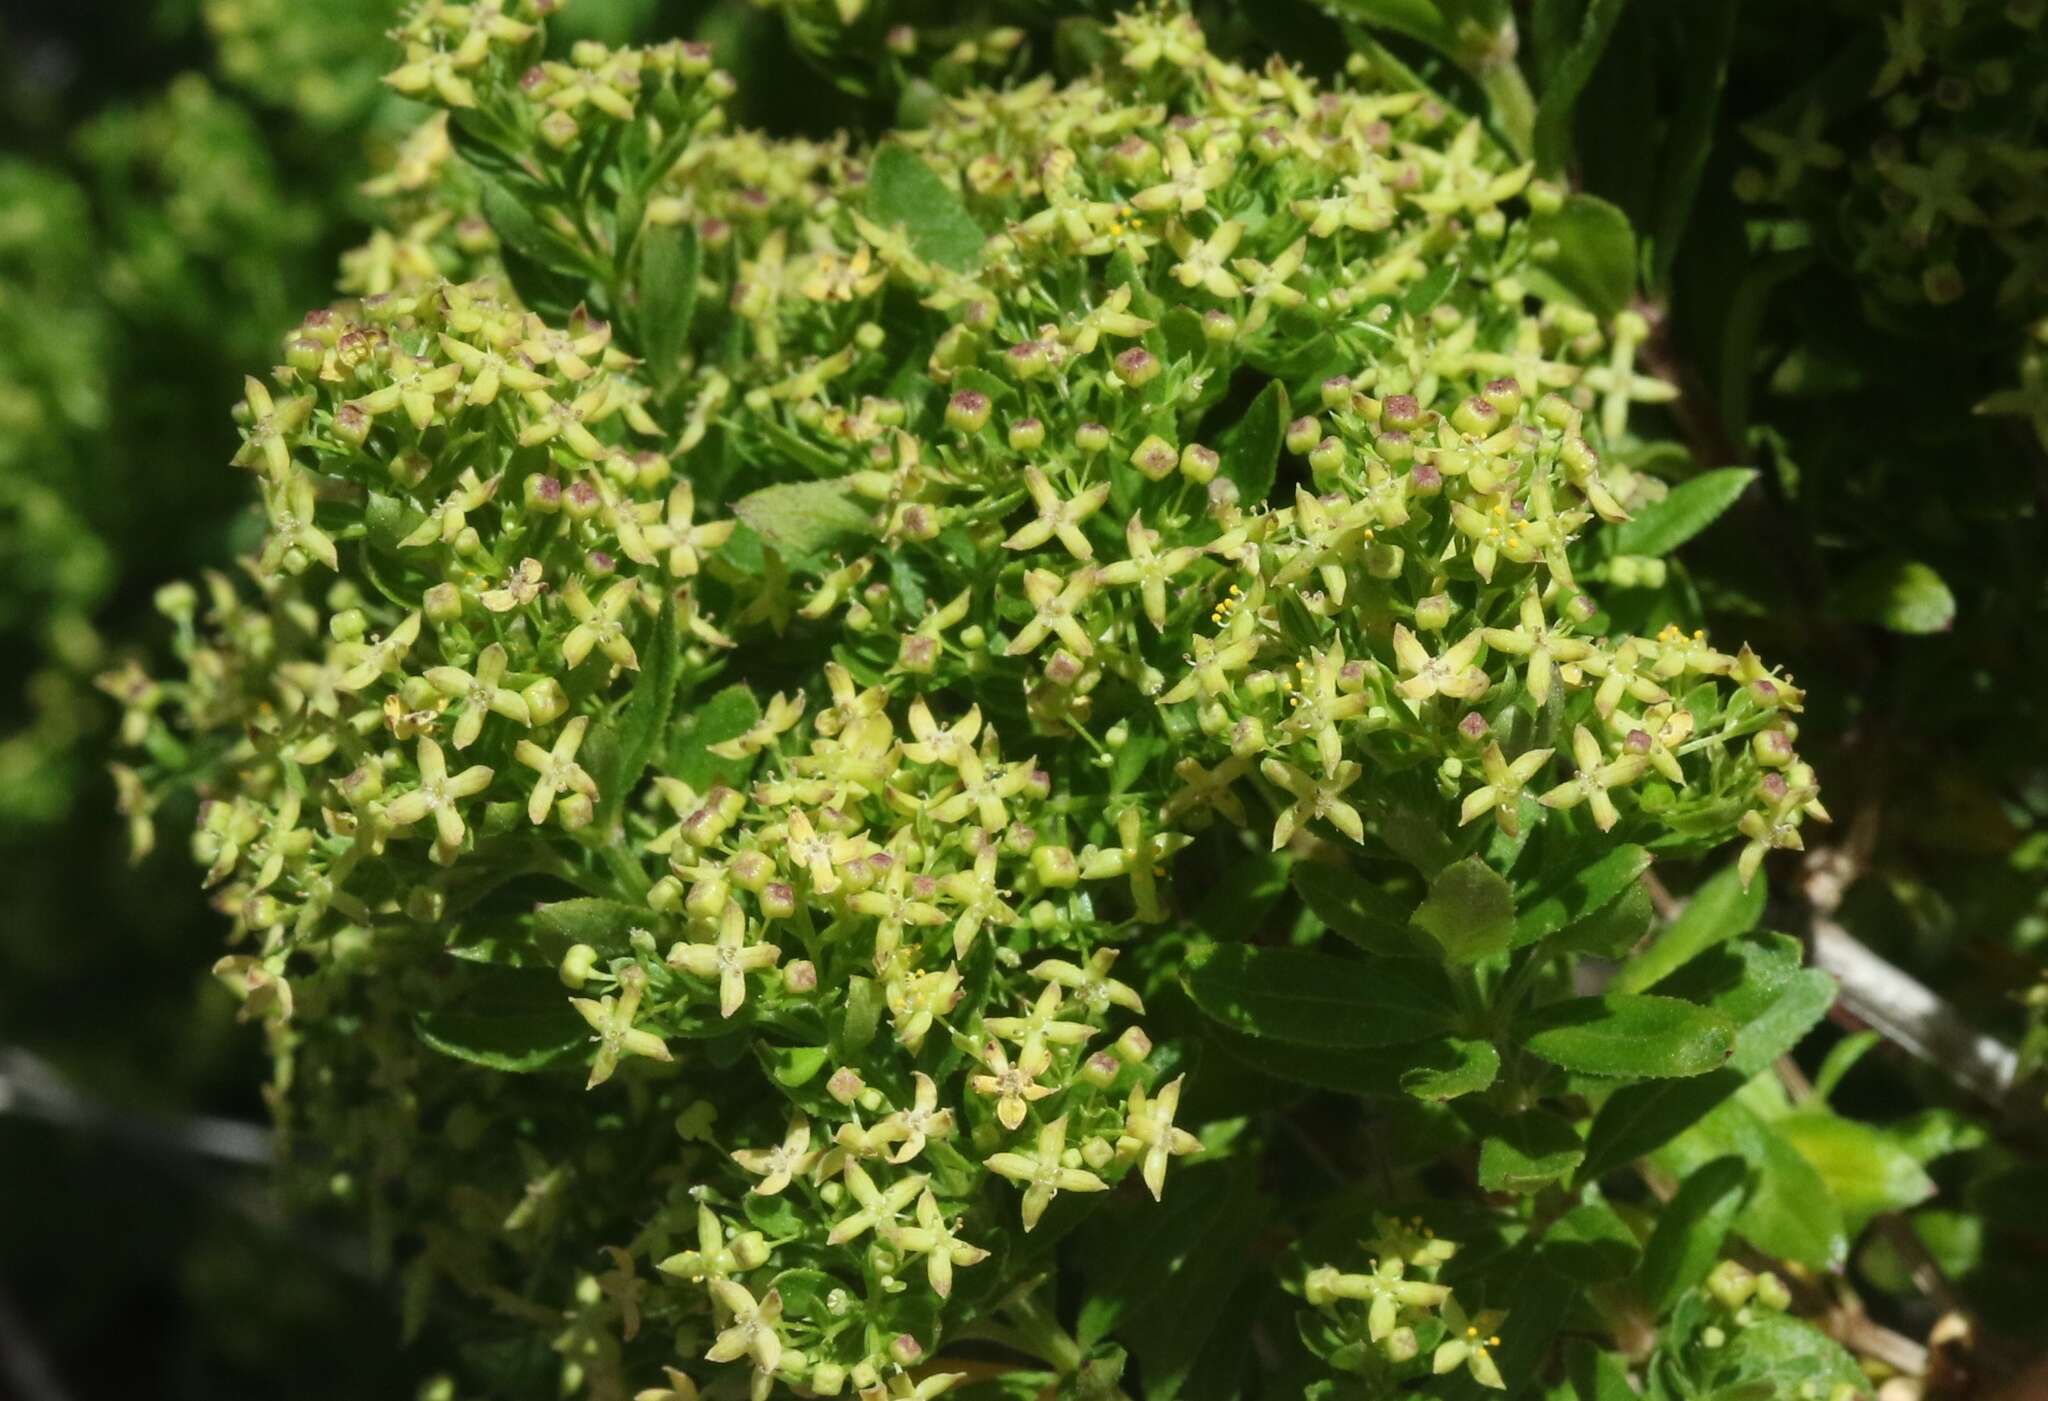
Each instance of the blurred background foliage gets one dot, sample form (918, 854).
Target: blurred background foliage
(1841, 211)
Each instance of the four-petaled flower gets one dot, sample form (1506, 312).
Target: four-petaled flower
(1596, 775)
(933, 1238)
(775, 1166)
(1314, 798)
(1057, 516)
(612, 1020)
(729, 958)
(559, 772)
(1502, 795)
(1014, 1086)
(437, 794)
(598, 625)
(1149, 1131)
(1449, 674)
(479, 693)
(879, 1208)
(1042, 1171)
(1055, 601)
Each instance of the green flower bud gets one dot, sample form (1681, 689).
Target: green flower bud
(546, 701)
(1731, 1284)
(1154, 458)
(577, 965)
(1137, 367)
(967, 411)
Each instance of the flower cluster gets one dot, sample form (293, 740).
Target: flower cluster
(1409, 1325)
(657, 541)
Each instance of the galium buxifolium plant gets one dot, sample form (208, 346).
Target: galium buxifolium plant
(796, 701)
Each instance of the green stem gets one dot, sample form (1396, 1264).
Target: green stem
(1514, 105)
(1040, 1333)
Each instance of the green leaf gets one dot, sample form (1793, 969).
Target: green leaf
(1250, 449)
(808, 521)
(1565, 79)
(506, 1020)
(1244, 894)
(1421, 20)
(1790, 1212)
(1160, 1277)
(1314, 999)
(1614, 928)
(1757, 982)
(1355, 909)
(602, 924)
(669, 262)
(1686, 510)
(904, 192)
(1587, 250)
(1470, 911)
(1639, 1119)
(1442, 1068)
(1775, 1030)
(1570, 898)
(1592, 1244)
(643, 724)
(1421, 297)
(1526, 1152)
(1708, 32)
(1903, 595)
(1720, 909)
(1595, 1375)
(1627, 1034)
(1778, 1355)
(727, 715)
(1690, 1229)
(1868, 1171)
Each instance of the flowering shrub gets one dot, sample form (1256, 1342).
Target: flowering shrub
(818, 730)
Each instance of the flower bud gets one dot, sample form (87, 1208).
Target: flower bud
(1101, 1070)
(1055, 865)
(1091, 437)
(1401, 411)
(577, 965)
(1218, 327)
(1199, 464)
(778, 900)
(546, 701)
(1026, 434)
(1773, 748)
(442, 603)
(1154, 458)
(1433, 612)
(665, 896)
(845, 1085)
(749, 1250)
(1134, 1045)
(800, 976)
(1731, 1284)
(967, 411)
(1303, 434)
(542, 493)
(1137, 367)
(1327, 458)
